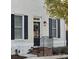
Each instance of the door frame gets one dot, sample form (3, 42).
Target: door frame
(37, 39)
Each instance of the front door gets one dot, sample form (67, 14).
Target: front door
(36, 33)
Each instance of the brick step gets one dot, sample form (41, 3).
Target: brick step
(42, 51)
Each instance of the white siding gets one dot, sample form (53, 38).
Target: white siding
(34, 8)
(61, 42)
(55, 42)
(31, 8)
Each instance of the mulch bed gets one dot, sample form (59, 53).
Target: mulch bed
(17, 57)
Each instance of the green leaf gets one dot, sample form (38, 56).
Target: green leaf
(58, 8)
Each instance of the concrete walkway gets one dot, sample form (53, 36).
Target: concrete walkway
(49, 57)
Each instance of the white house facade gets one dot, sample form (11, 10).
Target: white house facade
(30, 23)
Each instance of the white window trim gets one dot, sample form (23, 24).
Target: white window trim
(56, 29)
(22, 27)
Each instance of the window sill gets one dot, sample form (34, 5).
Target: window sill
(19, 40)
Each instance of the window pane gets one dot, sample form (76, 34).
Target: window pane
(18, 21)
(54, 32)
(36, 18)
(53, 23)
(18, 33)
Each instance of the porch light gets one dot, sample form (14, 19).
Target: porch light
(44, 23)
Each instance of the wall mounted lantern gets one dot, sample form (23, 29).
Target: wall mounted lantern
(44, 23)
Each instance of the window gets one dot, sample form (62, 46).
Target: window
(19, 27)
(36, 19)
(54, 28)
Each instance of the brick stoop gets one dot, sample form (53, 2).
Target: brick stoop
(42, 51)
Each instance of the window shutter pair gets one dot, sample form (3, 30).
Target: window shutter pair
(50, 28)
(25, 27)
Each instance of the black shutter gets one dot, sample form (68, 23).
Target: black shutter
(50, 28)
(12, 26)
(67, 37)
(58, 28)
(25, 27)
